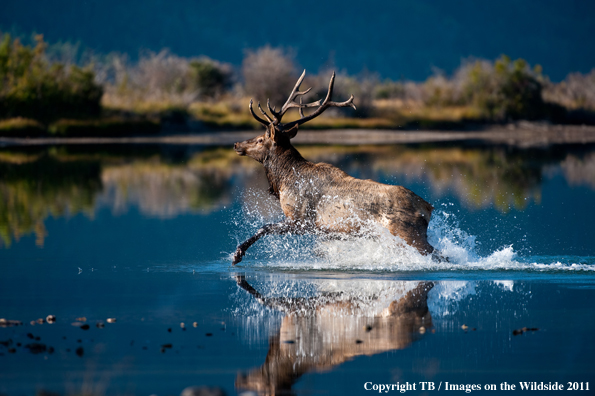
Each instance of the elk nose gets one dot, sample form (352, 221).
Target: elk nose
(235, 145)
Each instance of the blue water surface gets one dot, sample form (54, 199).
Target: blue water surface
(144, 235)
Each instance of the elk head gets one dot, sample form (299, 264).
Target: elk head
(277, 135)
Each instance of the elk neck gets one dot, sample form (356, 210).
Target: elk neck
(282, 167)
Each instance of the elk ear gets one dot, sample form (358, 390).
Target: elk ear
(290, 133)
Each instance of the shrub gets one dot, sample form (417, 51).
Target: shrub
(210, 78)
(35, 88)
(575, 92)
(501, 90)
(161, 80)
(269, 73)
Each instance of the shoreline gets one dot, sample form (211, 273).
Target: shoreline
(529, 135)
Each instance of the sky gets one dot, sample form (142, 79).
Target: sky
(397, 39)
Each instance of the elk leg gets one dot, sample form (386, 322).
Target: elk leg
(274, 228)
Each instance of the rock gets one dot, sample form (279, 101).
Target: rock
(195, 324)
(202, 391)
(51, 319)
(524, 330)
(40, 321)
(85, 327)
(81, 319)
(80, 351)
(182, 325)
(9, 323)
(422, 330)
(209, 334)
(111, 320)
(100, 325)
(464, 327)
(36, 347)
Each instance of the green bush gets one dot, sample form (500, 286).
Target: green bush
(504, 90)
(209, 78)
(34, 88)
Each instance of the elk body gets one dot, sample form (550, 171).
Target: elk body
(320, 197)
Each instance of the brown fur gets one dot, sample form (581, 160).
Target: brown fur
(319, 196)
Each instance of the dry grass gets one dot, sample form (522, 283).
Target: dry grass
(21, 127)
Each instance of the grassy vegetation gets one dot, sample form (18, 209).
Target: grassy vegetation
(113, 96)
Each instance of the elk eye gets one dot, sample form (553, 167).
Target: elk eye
(259, 141)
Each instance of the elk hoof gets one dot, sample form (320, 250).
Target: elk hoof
(237, 257)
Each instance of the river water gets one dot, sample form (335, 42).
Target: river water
(144, 235)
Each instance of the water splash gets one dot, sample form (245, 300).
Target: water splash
(375, 249)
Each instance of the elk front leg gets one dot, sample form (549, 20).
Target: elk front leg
(274, 228)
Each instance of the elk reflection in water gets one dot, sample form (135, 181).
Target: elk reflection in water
(320, 332)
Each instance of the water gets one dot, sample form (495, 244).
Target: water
(144, 234)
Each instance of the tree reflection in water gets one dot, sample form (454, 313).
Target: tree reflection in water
(323, 331)
(165, 182)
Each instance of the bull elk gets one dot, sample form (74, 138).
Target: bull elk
(319, 196)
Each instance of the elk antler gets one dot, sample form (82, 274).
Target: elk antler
(322, 106)
(263, 122)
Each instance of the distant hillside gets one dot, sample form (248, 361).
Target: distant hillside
(395, 38)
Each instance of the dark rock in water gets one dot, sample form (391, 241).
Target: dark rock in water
(12, 350)
(145, 348)
(44, 392)
(36, 348)
(100, 325)
(80, 351)
(50, 350)
(31, 336)
(202, 391)
(166, 346)
(18, 344)
(6, 343)
(85, 327)
(524, 330)
(169, 330)
(37, 338)
(209, 334)
(9, 323)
